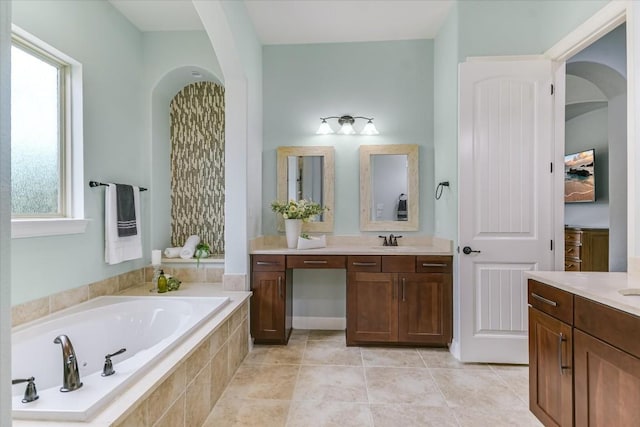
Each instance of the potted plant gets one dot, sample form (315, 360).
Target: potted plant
(202, 251)
(294, 213)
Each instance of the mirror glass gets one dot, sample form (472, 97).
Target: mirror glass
(307, 173)
(304, 179)
(389, 187)
(389, 196)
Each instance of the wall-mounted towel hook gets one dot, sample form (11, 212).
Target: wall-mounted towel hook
(440, 188)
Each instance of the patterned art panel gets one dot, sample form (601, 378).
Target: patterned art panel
(197, 165)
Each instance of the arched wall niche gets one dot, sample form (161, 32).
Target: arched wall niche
(162, 94)
(197, 165)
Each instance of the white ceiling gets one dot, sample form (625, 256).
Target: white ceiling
(305, 21)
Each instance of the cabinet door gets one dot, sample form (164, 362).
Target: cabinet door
(372, 308)
(425, 308)
(550, 374)
(607, 384)
(268, 306)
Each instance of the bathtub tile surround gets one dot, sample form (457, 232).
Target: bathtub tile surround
(187, 395)
(280, 387)
(68, 298)
(235, 282)
(32, 310)
(210, 273)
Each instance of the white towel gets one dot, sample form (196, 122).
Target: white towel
(118, 249)
(172, 252)
(189, 247)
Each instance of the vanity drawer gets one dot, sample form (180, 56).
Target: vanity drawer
(316, 261)
(572, 265)
(608, 324)
(433, 264)
(268, 262)
(550, 300)
(572, 237)
(398, 264)
(368, 263)
(572, 251)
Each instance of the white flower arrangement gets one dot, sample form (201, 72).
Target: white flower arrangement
(301, 209)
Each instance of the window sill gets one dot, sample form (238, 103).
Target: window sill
(21, 228)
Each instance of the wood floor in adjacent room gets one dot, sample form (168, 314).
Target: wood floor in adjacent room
(317, 381)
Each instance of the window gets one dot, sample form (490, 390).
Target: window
(37, 132)
(46, 139)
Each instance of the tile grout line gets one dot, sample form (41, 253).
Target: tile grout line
(295, 385)
(435, 382)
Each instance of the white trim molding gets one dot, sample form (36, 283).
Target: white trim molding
(21, 228)
(606, 19)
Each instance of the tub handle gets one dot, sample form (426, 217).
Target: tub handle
(122, 350)
(108, 365)
(30, 394)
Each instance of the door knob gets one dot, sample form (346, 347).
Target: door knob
(467, 250)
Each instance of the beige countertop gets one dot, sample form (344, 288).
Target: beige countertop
(600, 287)
(356, 245)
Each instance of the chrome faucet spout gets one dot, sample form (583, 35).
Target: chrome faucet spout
(70, 373)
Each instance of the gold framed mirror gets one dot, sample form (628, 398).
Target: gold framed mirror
(307, 173)
(389, 194)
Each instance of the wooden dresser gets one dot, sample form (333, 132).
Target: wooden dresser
(586, 249)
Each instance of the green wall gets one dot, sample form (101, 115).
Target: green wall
(121, 68)
(446, 124)
(390, 81)
(109, 47)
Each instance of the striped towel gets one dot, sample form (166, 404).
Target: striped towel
(126, 211)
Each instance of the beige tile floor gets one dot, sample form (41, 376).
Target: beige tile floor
(317, 381)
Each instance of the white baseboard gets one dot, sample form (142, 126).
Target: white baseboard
(327, 323)
(454, 349)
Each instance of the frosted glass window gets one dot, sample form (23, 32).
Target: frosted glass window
(37, 133)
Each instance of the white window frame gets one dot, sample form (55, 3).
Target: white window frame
(74, 220)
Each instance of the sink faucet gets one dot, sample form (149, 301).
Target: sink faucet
(393, 240)
(70, 374)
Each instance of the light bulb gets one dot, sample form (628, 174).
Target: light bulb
(347, 129)
(324, 128)
(369, 129)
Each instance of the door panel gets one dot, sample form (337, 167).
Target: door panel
(505, 213)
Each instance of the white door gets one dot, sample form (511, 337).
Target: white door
(505, 207)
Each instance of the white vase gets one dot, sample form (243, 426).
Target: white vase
(292, 228)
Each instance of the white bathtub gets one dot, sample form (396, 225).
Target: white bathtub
(147, 327)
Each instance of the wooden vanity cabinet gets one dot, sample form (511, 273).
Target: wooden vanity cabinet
(271, 308)
(550, 354)
(372, 307)
(607, 366)
(400, 304)
(584, 360)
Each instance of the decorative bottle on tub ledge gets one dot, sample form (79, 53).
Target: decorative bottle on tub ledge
(162, 283)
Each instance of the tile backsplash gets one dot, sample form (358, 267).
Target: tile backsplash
(32, 310)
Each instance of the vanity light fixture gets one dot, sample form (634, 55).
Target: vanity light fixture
(346, 125)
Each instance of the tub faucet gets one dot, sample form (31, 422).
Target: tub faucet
(70, 374)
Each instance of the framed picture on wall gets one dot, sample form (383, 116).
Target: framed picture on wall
(579, 177)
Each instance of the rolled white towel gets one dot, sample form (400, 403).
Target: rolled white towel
(172, 252)
(189, 247)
